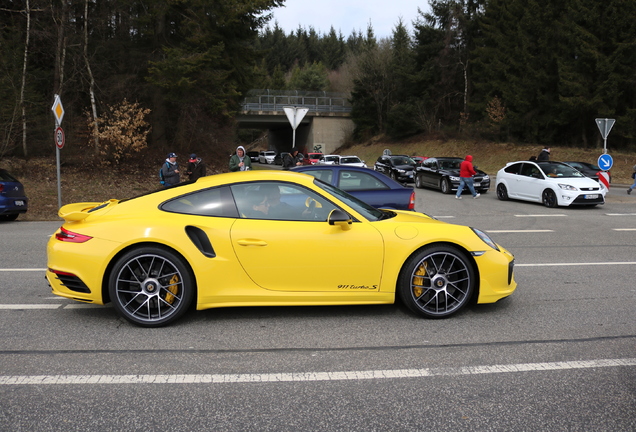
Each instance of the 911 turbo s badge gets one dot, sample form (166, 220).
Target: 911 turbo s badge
(358, 287)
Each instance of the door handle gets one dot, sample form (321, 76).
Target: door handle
(251, 242)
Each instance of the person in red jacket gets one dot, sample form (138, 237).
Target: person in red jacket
(466, 173)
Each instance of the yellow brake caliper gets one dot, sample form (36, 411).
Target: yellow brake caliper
(172, 288)
(418, 279)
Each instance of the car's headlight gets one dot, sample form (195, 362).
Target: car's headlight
(567, 187)
(486, 177)
(485, 238)
(453, 178)
(401, 171)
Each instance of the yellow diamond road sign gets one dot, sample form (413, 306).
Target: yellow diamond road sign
(58, 110)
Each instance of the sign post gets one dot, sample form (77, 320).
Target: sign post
(58, 112)
(295, 116)
(605, 126)
(605, 161)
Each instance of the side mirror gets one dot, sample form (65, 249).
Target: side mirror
(340, 218)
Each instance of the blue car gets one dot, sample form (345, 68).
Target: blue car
(13, 201)
(370, 186)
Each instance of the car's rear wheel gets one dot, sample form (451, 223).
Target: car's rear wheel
(549, 198)
(418, 182)
(437, 281)
(445, 186)
(502, 192)
(9, 217)
(151, 286)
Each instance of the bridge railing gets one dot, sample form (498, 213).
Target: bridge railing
(275, 100)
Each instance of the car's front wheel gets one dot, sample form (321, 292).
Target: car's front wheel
(502, 192)
(445, 186)
(418, 182)
(437, 281)
(151, 286)
(549, 198)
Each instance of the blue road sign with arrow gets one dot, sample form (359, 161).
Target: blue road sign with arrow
(605, 162)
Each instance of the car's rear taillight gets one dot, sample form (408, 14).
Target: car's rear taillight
(68, 236)
(412, 201)
(1, 187)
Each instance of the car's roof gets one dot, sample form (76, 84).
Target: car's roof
(332, 167)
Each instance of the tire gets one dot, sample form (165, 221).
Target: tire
(502, 192)
(9, 217)
(445, 186)
(393, 176)
(437, 282)
(418, 182)
(151, 286)
(549, 199)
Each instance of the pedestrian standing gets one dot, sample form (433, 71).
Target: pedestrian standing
(629, 191)
(292, 159)
(170, 171)
(466, 173)
(196, 167)
(240, 161)
(544, 155)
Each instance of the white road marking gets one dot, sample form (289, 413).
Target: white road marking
(620, 214)
(86, 306)
(23, 270)
(29, 306)
(624, 229)
(541, 215)
(444, 217)
(310, 376)
(519, 231)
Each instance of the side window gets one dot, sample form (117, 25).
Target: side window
(280, 201)
(324, 175)
(529, 170)
(208, 202)
(354, 180)
(513, 169)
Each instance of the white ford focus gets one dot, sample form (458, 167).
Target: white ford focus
(551, 183)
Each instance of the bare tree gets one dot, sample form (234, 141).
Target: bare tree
(91, 86)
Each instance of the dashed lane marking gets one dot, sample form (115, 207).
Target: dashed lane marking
(311, 376)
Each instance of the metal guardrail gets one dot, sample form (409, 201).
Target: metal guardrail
(270, 100)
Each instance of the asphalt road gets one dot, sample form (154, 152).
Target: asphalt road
(558, 355)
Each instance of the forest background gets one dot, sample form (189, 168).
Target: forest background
(141, 78)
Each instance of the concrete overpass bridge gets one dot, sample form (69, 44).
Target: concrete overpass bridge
(325, 127)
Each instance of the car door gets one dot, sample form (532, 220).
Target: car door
(283, 255)
(382, 165)
(531, 182)
(429, 170)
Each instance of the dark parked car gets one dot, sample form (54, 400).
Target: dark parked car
(588, 169)
(398, 167)
(443, 173)
(13, 201)
(365, 184)
(253, 155)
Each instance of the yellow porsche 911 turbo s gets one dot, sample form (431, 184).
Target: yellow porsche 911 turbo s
(232, 240)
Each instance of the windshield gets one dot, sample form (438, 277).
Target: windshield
(371, 213)
(349, 160)
(450, 164)
(402, 160)
(560, 170)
